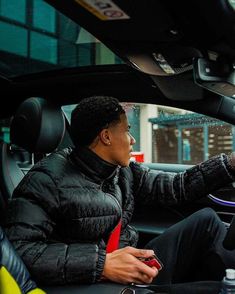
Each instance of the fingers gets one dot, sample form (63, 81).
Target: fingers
(139, 252)
(139, 277)
(123, 266)
(151, 272)
(142, 268)
(142, 279)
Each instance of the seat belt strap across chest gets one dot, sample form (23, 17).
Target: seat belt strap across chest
(113, 242)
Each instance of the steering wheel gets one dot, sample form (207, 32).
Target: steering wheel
(229, 240)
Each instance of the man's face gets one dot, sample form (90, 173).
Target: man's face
(121, 142)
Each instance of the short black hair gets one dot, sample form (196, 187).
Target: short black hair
(92, 115)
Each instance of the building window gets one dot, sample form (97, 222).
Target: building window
(43, 48)
(44, 16)
(85, 54)
(67, 53)
(12, 35)
(68, 30)
(13, 9)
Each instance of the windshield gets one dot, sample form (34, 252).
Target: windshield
(35, 37)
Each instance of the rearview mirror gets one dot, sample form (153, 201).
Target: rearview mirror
(215, 76)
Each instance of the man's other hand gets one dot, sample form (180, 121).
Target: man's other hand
(123, 266)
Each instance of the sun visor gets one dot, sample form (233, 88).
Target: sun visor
(179, 87)
(164, 61)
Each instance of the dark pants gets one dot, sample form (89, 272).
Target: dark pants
(192, 250)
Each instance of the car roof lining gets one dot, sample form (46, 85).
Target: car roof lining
(120, 81)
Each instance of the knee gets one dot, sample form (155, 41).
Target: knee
(207, 214)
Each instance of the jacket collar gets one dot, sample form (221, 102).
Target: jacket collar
(94, 166)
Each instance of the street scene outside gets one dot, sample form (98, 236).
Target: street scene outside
(172, 135)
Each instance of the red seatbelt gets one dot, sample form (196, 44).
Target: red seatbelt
(113, 242)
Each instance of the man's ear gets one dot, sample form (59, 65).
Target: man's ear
(105, 137)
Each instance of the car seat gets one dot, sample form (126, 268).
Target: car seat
(36, 129)
(14, 277)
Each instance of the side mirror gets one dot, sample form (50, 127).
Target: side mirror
(215, 76)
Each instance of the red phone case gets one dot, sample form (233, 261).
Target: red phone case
(152, 261)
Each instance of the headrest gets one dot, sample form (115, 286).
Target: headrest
(38, 126)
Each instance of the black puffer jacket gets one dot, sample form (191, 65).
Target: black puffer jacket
(65, 208)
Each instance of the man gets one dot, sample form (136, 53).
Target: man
(66, 214)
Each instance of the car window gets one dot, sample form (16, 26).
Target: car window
(46, 40)
(167, 135)
(173, 135)
(5, 130)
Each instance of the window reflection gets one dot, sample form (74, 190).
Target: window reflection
(43, 48)
(44, 16)
(13, 35)
(13, 9)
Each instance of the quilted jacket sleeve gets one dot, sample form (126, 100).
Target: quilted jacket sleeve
(171, 188)
(30, 226)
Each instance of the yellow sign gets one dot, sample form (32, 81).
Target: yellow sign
(103, 9)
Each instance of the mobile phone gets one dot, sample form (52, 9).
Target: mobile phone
(152, 261)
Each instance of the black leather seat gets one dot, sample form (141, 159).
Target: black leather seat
(36, 129)
(14, 276)
(38, 126)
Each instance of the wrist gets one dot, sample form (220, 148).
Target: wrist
(100, 264)
(103, 278)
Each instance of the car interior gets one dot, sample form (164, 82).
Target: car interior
(172, 53)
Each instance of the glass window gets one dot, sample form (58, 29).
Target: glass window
(133, 114)
(43, 48)
(104, 55)
(44, 16)
(84, 37)
(85, 54)
(172, 135)
(67, 109)
(15, 39)
(185, 137)
(54, 39)
(68, 29)
(13, 9)
(5, 130)
(66, 49)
